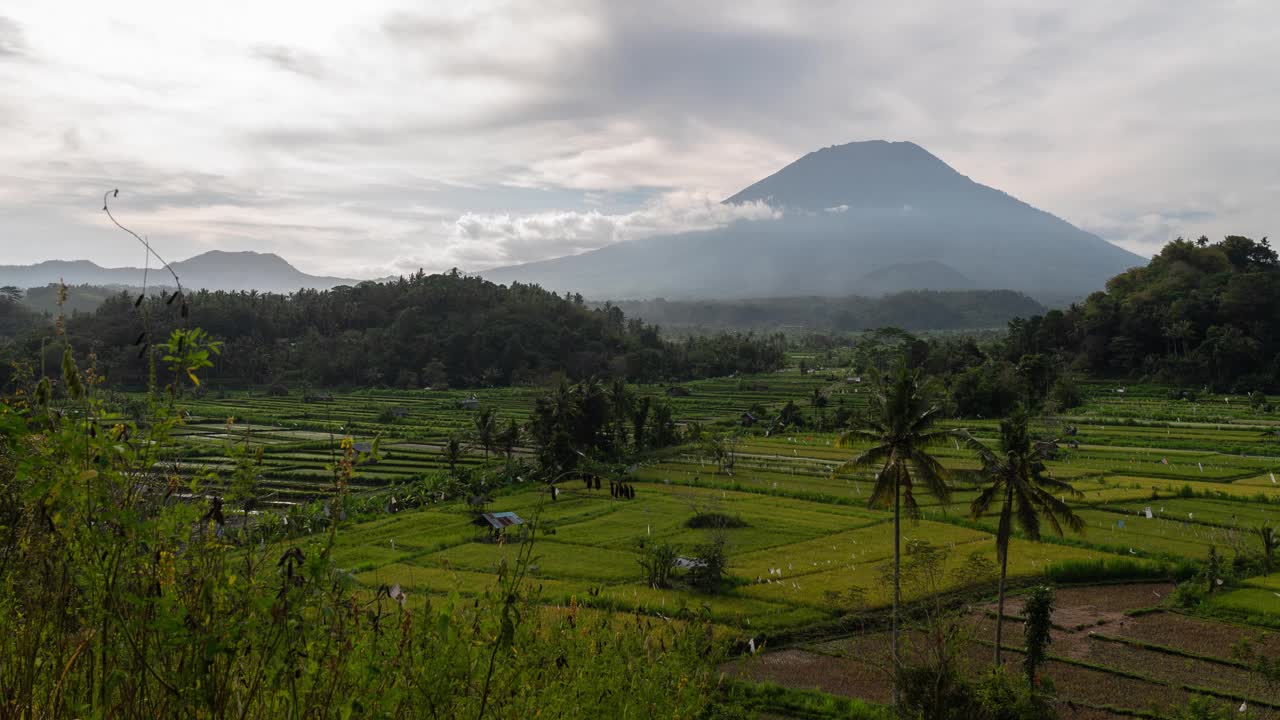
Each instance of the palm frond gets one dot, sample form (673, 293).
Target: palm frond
(871, 456)
(982, 503)
(851, 435)
(882, 493)
(1025, 511)
(932, 474)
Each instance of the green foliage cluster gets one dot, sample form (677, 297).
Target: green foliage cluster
(930, 681)
(590, 421)
(658, 560)
(1200, 313)
(126, 593)
(710, 564)
(1038, 611)
(422, 330)
(714, 520)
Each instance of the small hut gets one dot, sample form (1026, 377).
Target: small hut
(498, 522)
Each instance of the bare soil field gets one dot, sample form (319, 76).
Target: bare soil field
(1092, 674)
(1193, 635)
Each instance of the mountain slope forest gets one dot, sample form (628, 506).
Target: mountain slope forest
(1200, 313)
(423, 330)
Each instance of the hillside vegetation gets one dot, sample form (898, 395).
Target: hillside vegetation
(423, 330)
(1199, 313)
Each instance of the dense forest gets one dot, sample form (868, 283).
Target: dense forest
(911, 310)
(1200, 313)
(423, 330)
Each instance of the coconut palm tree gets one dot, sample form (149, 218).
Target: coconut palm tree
(900, 425)
(486, 429)
(1270, 541)
(1027, 496)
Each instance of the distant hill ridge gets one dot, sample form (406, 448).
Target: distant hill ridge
(214, 270)
(865, 218)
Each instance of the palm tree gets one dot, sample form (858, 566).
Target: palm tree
(486, 429)
(453, 451)
(1270, 541)
(1026, 494)
(508, 439)
(899, 423)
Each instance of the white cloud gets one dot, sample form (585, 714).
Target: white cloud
(478, 241)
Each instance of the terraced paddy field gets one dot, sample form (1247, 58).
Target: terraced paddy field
(1160, 481)
(299, 433)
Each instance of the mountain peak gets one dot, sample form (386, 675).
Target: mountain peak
(212, 270)
(867, 174)
(861, 218)
(238, 258)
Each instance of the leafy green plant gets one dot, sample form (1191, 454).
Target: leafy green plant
(710, 564)
(1038, 611)
(658, 561)
(712, 520)
(1200, 707)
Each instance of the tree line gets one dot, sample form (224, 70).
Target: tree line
(1203, 313)
(421, 330)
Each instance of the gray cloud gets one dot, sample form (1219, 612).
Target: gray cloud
(292, 60)
(12, 42)
(492, 132)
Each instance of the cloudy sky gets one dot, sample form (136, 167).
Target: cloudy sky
(375, 137)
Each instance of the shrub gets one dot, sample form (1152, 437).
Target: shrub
(1004, 697)
(710, 564)
(658, 562)
(1201, 708)
(713, 520)
(1038, 609)
(1066, 393)
(1188, 594)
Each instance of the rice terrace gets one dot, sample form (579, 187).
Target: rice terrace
(1157, 493)
(994, 523)
(595, 360)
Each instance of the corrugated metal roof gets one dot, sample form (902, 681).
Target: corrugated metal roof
(501, 520)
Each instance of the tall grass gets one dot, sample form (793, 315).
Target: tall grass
(1117, 568)
(127, 592)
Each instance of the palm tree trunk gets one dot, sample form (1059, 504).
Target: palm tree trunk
(1004, 566)
(897, 583)
(1002, 549)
